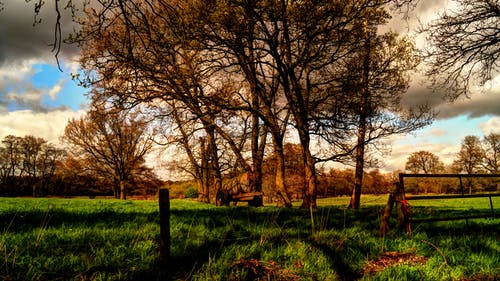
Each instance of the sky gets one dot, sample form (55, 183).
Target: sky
(36, 98)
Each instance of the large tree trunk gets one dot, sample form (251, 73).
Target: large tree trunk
(203, 189)
(281, 189)
(214, 163)
(358, 175)
(116, 188)
(363, 115)
(123, 194)
(258, 143)
(310, 188)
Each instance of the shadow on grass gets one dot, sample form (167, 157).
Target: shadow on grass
(199, 235)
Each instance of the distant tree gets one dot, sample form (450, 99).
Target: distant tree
(491, 149)
(464, 46)
(375, 83)
(427, 163)
(469, 159)
(47, 163)
(28, 162)
(470, 156)
(12, 156)
(112, 142)
(31, 151)
(377, 182)
(424, 162)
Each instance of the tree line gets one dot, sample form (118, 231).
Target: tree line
(476, 156)
(103, 155)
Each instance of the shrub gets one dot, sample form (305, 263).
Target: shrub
(191, 192)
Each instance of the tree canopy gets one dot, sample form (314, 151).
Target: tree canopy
(203, 63)
(424, 162)
(111, 143)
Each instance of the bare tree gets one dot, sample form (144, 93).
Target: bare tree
(113, 142)
(375, 81)
(464, 46)
(31, 148)
(491, 149)
(47, 163)
(12, 155)
(470, 156)
(28, 159)
(424, 162)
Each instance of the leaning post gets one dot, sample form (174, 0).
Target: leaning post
(384, 224)
(164, 202)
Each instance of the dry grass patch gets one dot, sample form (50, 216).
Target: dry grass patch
(389, 259)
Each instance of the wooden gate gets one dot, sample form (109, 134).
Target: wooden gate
(399, 198)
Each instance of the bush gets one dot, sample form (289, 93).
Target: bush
(191, 192)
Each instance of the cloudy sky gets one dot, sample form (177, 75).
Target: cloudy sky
(38, 99)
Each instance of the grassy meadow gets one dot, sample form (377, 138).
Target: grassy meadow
(92, 239)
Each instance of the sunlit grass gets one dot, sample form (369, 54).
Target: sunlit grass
(82, 239)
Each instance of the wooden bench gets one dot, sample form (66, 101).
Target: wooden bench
(224, 198)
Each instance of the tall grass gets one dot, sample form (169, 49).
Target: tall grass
(72, 239)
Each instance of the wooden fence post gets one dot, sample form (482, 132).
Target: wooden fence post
(384, 224)
(164, 201)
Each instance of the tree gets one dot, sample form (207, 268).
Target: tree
(424, 162)
(28, 162)
(172, 76)
(183, 51)
(376, 80)
(12, 156)
(31, 150)
(427, 163)
(306, 54)
(463, 46)
(491, 150)
(470, 156)
(113, 143)
(47, 163)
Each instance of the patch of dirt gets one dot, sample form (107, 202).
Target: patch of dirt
(482, 278)
(388, 259)
(267, 270)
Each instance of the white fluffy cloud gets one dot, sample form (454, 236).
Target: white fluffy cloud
(491, 126)
(400, 154)
(49, 126)
(437, 141)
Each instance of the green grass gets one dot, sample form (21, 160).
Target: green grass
(82, 239)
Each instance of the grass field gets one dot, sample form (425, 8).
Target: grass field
(83, 239)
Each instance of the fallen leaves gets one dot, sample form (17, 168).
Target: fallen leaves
(267, 270)
(388, 259)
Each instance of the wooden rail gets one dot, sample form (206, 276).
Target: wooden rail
(399, 198)
(408, 220)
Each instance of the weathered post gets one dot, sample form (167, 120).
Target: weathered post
(164, 201)
(402, 205)
(384, 224)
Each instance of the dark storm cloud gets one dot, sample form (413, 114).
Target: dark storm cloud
(478, 104)
(21, 40)
(22, 44)
(484, 102)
